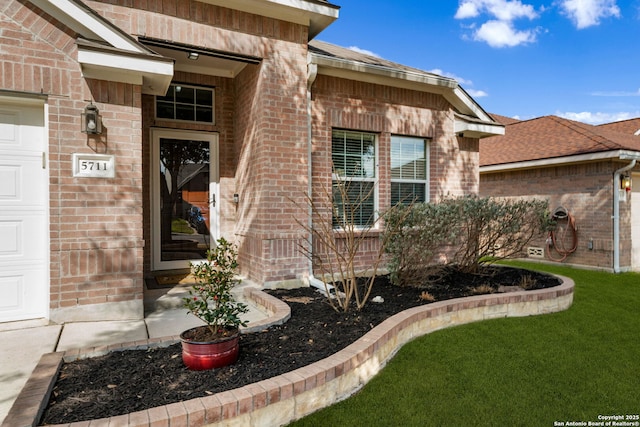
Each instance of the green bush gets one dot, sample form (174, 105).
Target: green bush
(419, 232)
(462, 231)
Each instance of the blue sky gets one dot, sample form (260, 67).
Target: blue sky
(578, 59)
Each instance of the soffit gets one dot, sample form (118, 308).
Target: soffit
(209, 61)
(106, 52)
(317, 15)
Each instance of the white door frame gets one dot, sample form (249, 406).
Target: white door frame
(214, 189)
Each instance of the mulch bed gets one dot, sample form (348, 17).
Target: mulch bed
(133, 380)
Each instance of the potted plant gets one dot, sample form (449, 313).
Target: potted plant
(217, 343)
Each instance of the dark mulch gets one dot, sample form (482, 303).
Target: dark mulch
(133, 380)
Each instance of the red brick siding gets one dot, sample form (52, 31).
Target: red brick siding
(263, 127)
(347, 104)
(585, 190)
(95, 224)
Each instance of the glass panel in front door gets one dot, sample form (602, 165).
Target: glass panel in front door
(185, 201)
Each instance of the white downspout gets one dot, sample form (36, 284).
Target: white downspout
(616, 214)
(312, 73)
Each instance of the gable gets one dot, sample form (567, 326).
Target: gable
(470, 121)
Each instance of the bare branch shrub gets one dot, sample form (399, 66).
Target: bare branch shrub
(337, 242)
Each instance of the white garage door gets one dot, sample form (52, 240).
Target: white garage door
(635, 222)
(24, 230)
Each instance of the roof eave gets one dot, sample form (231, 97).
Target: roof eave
(86, 22)
(152, 73)
(316, 15)
(557, 161)
(404, 79)
(477, 130)
(102, 45)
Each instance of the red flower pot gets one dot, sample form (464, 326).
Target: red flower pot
(201, 355)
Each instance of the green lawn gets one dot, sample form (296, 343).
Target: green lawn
(534, 371)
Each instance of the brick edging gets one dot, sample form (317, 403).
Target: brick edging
(290, 396)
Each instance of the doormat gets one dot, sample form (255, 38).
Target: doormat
(170, 281)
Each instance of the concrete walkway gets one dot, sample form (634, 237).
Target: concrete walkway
(23, 343)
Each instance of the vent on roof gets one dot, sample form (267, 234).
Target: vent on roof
(535, 252)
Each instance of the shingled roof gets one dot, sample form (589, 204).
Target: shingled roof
(339, 52)
(552, 137)
(631, 126)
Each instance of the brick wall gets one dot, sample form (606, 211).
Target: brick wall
(347, 104)
(95, 224)
(585, 190)
(263, 143)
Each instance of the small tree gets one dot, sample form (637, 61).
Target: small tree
(335, 241)
(210, 299)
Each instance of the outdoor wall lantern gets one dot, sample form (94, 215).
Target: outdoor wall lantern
(91, 120)
(625, 182)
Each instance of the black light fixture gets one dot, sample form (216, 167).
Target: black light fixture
(91, 120)
(193, 56)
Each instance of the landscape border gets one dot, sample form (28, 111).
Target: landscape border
(293, 395)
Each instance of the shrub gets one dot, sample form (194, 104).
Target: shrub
(210, 299)
(491, 229)
(415, 235)
(465, 231)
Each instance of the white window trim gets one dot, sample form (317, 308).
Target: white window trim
(427, 179)
(375, 180)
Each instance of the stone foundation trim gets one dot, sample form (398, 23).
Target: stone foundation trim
(285, 398)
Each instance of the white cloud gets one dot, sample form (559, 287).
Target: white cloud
(504, 10)
(598, 118)
(442, 73)
(363, 51)
(467, 9)
(477, 93)
(616, 93)
(499, 30)
(586, 13)
(503, 34)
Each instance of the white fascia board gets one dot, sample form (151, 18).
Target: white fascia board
(338, 67)
(404, 79)
(477, 130)
(467, 105)
(317, 16)
(90, 25)
(155, 76)
(580, 158)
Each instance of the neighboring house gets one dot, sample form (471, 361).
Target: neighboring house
(586, 170)
(92, 204)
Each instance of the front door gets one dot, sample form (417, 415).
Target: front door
(24, 195)
(185, 190)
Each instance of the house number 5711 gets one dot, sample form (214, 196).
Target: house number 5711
(89, 165)
(93, 165)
